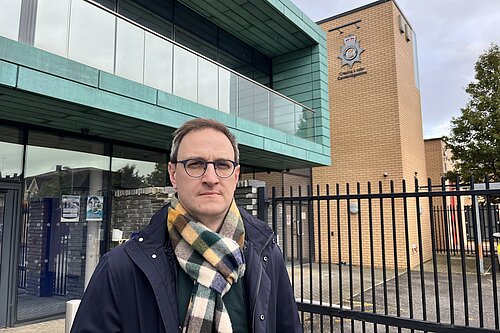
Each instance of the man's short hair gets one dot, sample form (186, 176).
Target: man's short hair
(197, 125)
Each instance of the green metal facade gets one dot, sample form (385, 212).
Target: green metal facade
(43, 89)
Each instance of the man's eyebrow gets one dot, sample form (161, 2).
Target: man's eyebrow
(195, 157)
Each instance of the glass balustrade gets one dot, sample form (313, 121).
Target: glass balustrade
(10, 15)
(96, 36)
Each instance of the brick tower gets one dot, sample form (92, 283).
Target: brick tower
(375, 116)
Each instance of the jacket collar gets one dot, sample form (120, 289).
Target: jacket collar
(256, 232)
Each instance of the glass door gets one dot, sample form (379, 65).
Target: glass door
(9, 214)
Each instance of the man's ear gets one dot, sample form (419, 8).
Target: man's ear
(236, 174)
(171, 174)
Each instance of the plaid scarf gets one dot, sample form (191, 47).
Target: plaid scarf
(213, 260)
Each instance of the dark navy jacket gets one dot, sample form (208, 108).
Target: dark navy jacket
(133, 289)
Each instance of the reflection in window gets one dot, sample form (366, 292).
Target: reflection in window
(129, 51)
(51, 32)
(226, 78)
(158, 63)
(136, 168)
(64, 220)
(9, 18)
(261, 105)
(283, 114)
(153, 15)
(304, 123)
(139, 179)
(11, 153)
(92, 44)
(253, 102)
(207, 83)
(185, 74)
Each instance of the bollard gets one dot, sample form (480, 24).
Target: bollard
(71, 308)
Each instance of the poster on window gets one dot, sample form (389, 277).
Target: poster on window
(95, 205)
(70, 208)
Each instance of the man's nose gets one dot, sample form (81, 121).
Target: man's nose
(210, 176)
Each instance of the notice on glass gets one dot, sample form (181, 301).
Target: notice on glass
(95, 205)
(70, 208)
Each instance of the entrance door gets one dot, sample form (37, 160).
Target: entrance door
(9, 215)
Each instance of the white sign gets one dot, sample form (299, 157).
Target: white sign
(70, 208)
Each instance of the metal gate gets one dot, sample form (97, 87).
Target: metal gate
(382, 259)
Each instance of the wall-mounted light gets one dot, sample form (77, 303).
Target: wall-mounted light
(386, 174)
(401, 24)
(407, 33)
(353, 208)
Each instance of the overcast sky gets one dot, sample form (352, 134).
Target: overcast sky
(451, 34)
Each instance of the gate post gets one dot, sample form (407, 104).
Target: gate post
(262, 204)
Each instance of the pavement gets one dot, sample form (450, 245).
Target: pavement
(51, 326)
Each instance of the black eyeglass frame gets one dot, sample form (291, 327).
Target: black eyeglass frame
(184, 162)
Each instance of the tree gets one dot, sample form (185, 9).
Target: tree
(127, 177)
(305, 126)
(475, 135)
(158, 177)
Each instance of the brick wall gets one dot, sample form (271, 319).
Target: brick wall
(437, 159)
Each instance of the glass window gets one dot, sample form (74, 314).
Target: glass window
(64, 221)
(129, 51)
(227, 90)
(190, 21)
(207, 83)
(158, 63)
(185, 74)
(11, 153)
(139, 180)
(51, 32)
(155, 15)
(92, 36)
(9, 18)
(195, 43)
(134, 168)
(110, 4)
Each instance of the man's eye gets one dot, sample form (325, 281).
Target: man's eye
(195, 164)
(223, 165)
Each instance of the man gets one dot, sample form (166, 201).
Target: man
(202, 264)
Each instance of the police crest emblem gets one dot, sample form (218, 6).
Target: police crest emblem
(350, 52)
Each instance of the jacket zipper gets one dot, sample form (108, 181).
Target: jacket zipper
(260, 278)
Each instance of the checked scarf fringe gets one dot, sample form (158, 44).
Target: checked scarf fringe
(213, 260)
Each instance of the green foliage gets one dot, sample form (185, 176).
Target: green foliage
(128, 177)
(305, 126)
(158, 177)
(475, 135)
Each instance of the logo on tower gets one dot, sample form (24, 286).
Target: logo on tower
(350, 52)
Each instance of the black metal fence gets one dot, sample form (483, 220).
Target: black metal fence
(387, 259)
(451, 213)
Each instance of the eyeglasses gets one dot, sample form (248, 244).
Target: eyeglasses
(197, 167)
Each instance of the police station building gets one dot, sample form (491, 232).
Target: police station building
(90, 93)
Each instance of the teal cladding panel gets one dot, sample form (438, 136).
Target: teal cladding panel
(43, 61)
(8, 74)
(108, 94)
(127, 88)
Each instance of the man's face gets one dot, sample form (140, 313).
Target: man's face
(208, 197)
